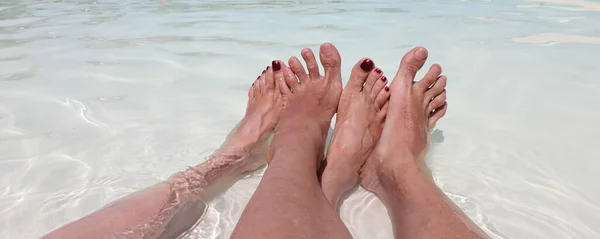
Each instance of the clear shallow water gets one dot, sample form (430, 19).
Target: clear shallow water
(98, 99)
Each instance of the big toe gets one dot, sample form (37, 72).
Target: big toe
(411, 63)
(331, 61)
(359, 74)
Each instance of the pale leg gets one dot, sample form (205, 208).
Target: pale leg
(170, 208)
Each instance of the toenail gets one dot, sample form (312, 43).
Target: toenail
(276, 65)
(378, 70)
(268, 67)
(387, 88)
(383, 78)
(421, 54)
(264, 71)
(367, 65)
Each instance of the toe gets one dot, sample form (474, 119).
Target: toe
(437, 102)
(437, 115)
(298, 69)
(409, 66)
(311, 63)
(258, 86)
(429, 78)
(436, 89)
(382, 97)
(269, 78)
(288, 76)
(359, 74)
(383, 112)
(372, 79)
(263, 81)
(331, 61)
(379, 84)
(279, 74)
(251, 90)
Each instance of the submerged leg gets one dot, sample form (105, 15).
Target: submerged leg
(170, 208)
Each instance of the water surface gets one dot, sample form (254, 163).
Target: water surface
(102, 98)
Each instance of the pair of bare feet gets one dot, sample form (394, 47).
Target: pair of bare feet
(379, 129)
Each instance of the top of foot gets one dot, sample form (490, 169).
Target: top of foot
(360, 118)
(414, 109)
(311, 99)
(264, 108)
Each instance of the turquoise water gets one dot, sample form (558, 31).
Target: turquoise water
(98, 99)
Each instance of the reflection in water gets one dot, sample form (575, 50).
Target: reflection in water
(100, 98)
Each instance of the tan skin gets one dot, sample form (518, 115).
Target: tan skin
(289, 202)
(396, 170)
(389, 139)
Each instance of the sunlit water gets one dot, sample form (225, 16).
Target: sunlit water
(99, 99)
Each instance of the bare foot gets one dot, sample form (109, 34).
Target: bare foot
(289, 202)
(360, 118)
(414, 109)
(310, 99)
(396, 171)
(265, 106)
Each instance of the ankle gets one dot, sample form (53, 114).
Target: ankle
(334, 187)
(339, 178)
(322, 119)
(305, 128)
(246, 133)
(393, 173)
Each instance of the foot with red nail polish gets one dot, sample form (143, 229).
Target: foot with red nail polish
(360, 116)
(263, 111)
(415, 108)
(310, 99)
(396, 171)
(289, 202)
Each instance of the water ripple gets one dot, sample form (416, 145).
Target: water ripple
(101, 98)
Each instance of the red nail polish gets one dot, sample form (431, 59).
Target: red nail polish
(383, 78)
(387, 88)
(378, 70)
(367, 65)
(276, 65)
(264, 71)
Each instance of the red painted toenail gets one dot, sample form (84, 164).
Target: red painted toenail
(387, 88)
(378, 70)
(383, 78)
(367, 65)
(268, 67)
(276, 65)
(264, 71)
